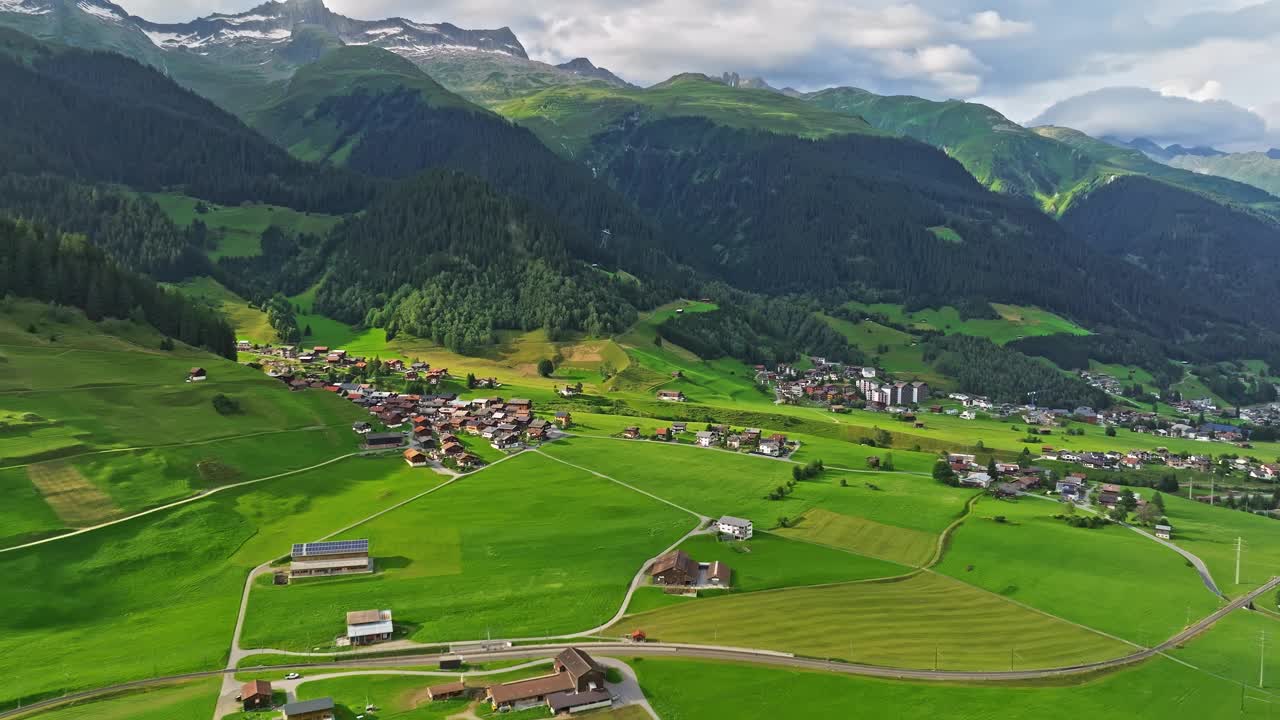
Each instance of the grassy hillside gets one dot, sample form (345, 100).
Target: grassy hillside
(98, 422)
(294, 121)
(1112, 160)
(567, 117)
(1254, 168)
(236, 230)
(1001, 154)
(1052, 165)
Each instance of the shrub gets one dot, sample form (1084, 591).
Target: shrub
(226, 405)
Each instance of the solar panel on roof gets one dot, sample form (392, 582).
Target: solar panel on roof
(332, 547)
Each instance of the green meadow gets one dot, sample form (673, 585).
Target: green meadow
(158, 595)
(925, 621)
(1211, 533)
(98, 422)
(236, 230)
(769, 561)
(1110, 578)
(1157, 690)
(717, 483)
(527, 548)
(250, 323)
(1014, 321)
(179, 701)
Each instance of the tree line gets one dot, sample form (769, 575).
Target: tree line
(39, 263)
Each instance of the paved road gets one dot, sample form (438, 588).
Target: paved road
(1205, 576)
(1195, 561)
(706, 652)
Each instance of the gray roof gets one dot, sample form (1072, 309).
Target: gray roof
(734, 521)
(568, 700)
(307, 706)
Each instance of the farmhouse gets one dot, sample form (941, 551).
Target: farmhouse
(339, 557)
(674, 569)
(734, 527)
(362, 428)
(318, 709)
(197, 374)
(381, 441)
(576, 685)
(366, 627)
(415, 458)
(1164, 532)
(770, 448)
(706, 438)
(719, 574)
(671, 396)
(256, 695)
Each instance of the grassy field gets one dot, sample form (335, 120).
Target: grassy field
(1211, 532)
(237, 230)
(180, 701)
(913, 548)
(769, 561)
(718, 483)
(1157, 690)
(528, 547)
(1238, 647)
(887, 347)
(1014, 321)
(158, 595)
(920, 622)
(1109, 579)
(99, 422)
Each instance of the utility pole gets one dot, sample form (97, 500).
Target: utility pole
(1211, 491)
(1191, 486)
(1262, 656)
(1238, 542)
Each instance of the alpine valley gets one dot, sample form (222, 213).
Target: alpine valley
(890, 322)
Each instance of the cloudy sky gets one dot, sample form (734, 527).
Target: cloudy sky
(1185, 71)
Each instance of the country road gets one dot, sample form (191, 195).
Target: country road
(709, 652)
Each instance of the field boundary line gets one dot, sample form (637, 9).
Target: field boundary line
(179, 503)
(701, 518)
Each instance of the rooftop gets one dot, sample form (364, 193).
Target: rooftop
(308, 706)
(532, 688)
(332, 547)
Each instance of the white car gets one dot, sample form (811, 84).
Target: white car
(292, 676)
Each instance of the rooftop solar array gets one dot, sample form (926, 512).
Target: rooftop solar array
(334, 547)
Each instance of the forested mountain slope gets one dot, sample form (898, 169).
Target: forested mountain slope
(874, 216)
(445, 257)
(101, 117)
(1197, 247)
(40, 264)
(376, 113)
(1053, 165)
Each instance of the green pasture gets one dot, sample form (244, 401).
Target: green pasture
(770, 561)
(178, 701)
(158, 595)
(1157, 690)
(1110, 578)
(1211, 532)
(529, 547)
(237, 229)
(925, 621)
(716, 483)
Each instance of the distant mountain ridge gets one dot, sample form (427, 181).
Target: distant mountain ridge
(239, 60)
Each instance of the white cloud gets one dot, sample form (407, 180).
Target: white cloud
(1208, 90)
(952, 68)
(989, 25)
(1128, 113)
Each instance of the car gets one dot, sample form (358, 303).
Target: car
(292, 676)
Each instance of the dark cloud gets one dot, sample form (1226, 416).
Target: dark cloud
(1129, 113)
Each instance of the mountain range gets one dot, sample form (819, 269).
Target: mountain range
(622, 195)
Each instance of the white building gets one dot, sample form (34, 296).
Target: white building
(734, 527)
(365, 627)
(770, 448)
(706, 438)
